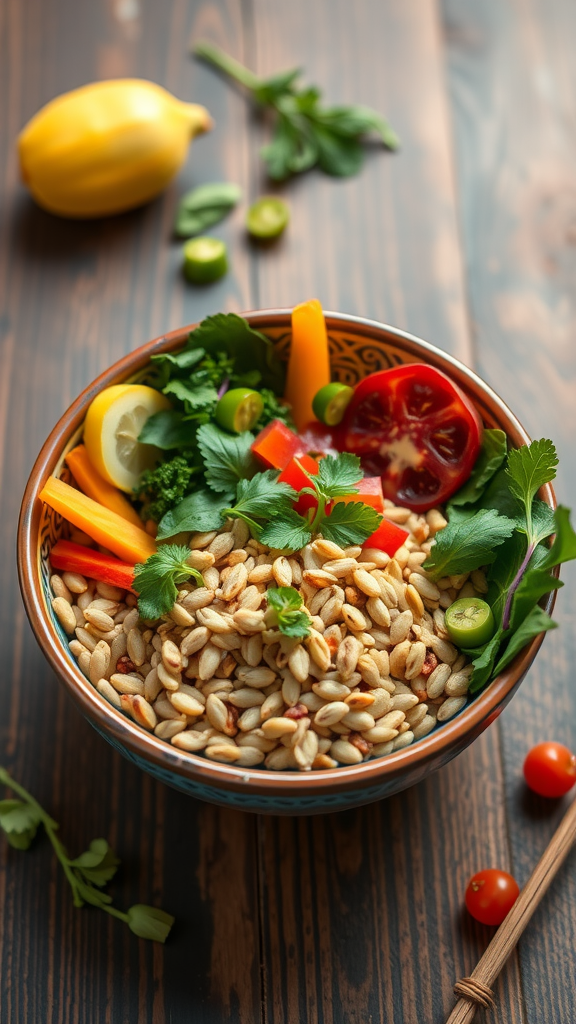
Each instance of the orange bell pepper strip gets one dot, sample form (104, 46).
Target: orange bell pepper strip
(130, 543)
(69, 557)
(95, 486)
(309, 360)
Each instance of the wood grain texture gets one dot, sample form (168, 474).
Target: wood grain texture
(512, 82)
(339, 919)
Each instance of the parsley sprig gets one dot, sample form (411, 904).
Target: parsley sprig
(305, 133)
(286, 603)
(88, 873)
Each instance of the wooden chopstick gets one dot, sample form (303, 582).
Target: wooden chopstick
(476, 990)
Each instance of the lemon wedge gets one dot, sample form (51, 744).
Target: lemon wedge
(113, 423)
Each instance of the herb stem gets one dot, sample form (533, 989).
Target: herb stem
(514, 586)
(227, 64)
(114, 912)
(319, 512)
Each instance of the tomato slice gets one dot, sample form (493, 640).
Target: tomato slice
(413, 426)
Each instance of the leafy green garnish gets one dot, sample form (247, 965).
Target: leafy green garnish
(200, 511)
(287, 602)
(156, 579)
(248, 349)
(168, 429)
(304, 133)
(350, 523)
(466, 544)
(337, 475)
(162, 488)
(205, 206)
(290, 532)
(261, 498)
(491, 457)
(227, 458)
(88, 873)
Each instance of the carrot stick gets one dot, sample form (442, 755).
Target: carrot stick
(96, 487)
(309, 361)
(130, 543)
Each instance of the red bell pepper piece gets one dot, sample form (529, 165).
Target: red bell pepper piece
(276, 445)
(71, 557)
(388, 537)
(296, 477)
(369, 491)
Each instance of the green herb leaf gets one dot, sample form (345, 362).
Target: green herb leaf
(19, 821)
(338, 475)
(199, 511)
(289, 533)
(534, 584)
(98, 864)
(564, 547)
(484, 662)
(149, 922)
(156, 579)
(287, 602)
(491, 457)
(160, 489)
(350, 522)
(227, 458)
(205, 206)
(188, 357)
(194, 396)
(262, 497)
(536, 622)
(168, 429)
(249, 349)
(304, 133)
(529, 468)
(466, 545)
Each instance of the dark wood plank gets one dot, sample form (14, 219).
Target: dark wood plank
(512, 82)
(362, 912)
(74, 298)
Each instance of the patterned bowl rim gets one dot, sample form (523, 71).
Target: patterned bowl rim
(451, 736)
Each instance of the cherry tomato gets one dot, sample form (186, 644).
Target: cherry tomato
(550, 769)
(490, 895)
(413, 426)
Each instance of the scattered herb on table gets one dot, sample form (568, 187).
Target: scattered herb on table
(287, 603)
(305, 133)
(156, 579)
(498, 508)
(205, 206)
(88, 873)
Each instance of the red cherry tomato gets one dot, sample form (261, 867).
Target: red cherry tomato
(550, 769)
(490, 895)
(413, 426)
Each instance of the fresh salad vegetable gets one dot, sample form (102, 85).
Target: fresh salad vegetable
(413, 426)
(70, 557)
(239, 409)
(87, 874)
(267, 218)
(95, 486)
(331, 401)
(309, 365)
(205, 259)
(205, 206)
(469, 622)
(550, 769)
(490, 895)
(111, 432)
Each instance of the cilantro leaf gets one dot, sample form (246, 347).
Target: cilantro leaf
(529, 467)
(564, 547)
(149, 922)
(205, 206)
(287, 602)
(262, 497)
(194, 396)
(98, 864)
(536, 622)
(19, 821)
(350, 522)
(200, 511)
(156, 579)
(288, 533)
(338, 475)
(467, 544)
(491, 457)
(227, 458)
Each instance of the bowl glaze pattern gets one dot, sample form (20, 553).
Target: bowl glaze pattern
(358, 347)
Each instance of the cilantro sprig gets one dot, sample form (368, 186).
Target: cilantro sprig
(286, 603)
(497, 520)
(305, 133)
(156, 580)
(87, 873)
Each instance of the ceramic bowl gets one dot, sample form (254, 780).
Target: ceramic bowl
(358, 347)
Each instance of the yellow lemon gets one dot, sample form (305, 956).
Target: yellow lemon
(113, 424)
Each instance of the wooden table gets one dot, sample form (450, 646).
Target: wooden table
(466, 237)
